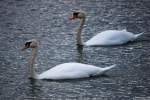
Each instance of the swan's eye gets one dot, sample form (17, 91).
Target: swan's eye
(75, 14)
(27, 44)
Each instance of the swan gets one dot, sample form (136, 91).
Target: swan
(105, 38)
(70, 70)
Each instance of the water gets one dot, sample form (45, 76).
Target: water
(47, 21)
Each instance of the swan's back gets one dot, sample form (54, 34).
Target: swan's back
(111, 37)
(70, 71)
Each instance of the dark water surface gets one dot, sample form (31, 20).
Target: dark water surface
(47, 21)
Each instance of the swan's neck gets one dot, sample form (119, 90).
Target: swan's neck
(79, 31)
(31, 70)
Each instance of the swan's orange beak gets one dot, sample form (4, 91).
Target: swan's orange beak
(26, 45)
(71, 18)
(24, 48)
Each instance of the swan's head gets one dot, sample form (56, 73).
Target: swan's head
(78, 15)
(33, 43)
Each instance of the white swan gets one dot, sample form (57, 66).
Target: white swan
(63, 71)
(105, 38)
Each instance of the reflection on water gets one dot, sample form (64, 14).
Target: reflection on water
(33, 90)
(47, 21)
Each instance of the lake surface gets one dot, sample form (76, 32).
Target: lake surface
(47, 21)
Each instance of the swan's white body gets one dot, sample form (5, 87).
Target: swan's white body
(72, 71)
(63, 71)
(112, 37)
(105, 38)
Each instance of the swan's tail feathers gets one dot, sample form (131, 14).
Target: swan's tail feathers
(108, 68)
(137, 35)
